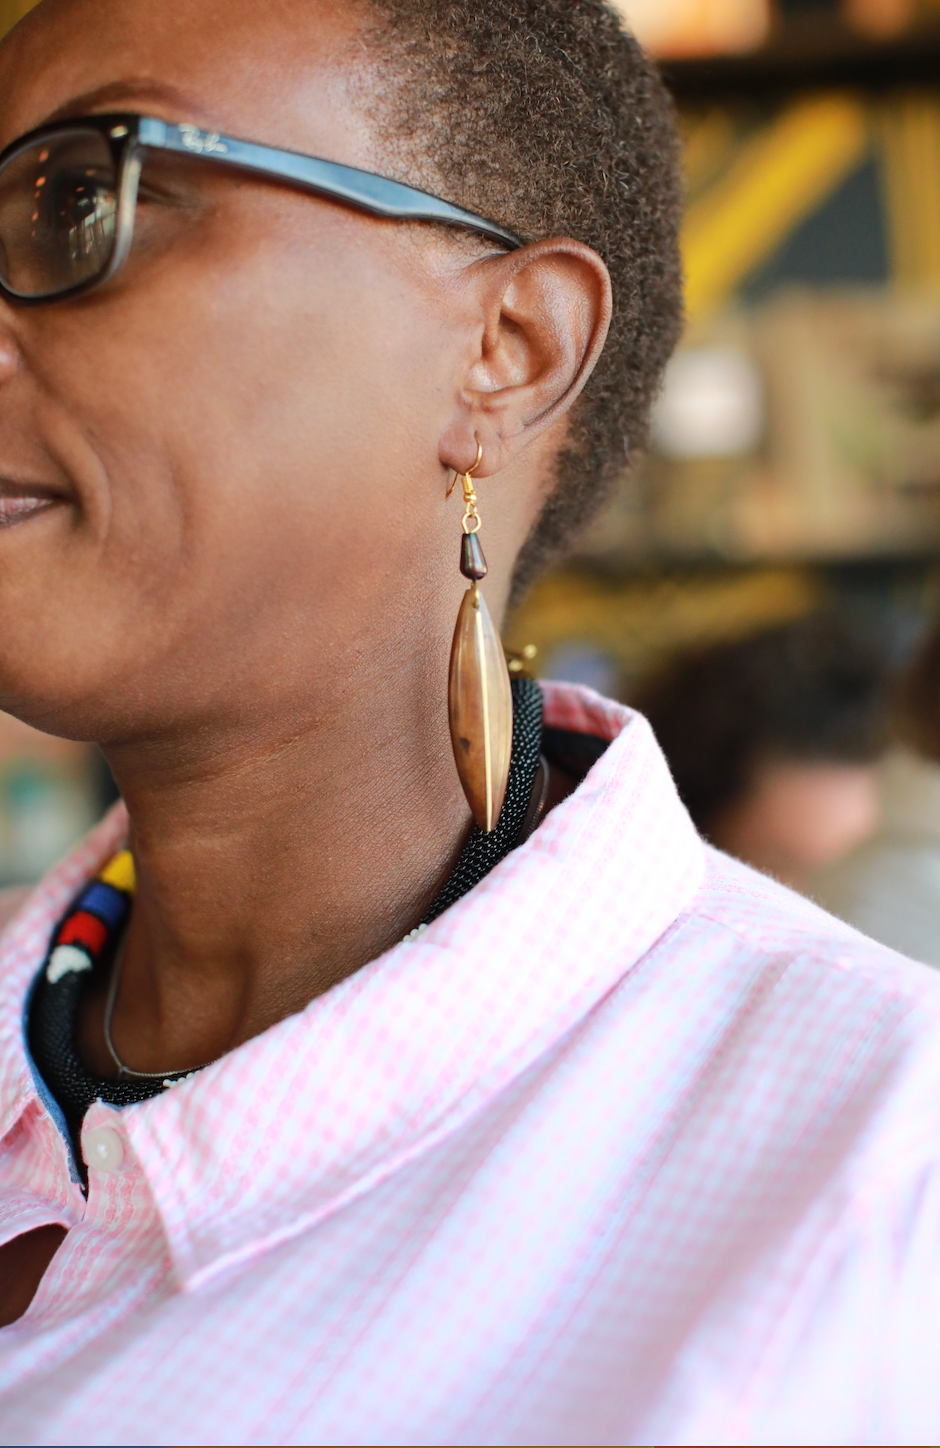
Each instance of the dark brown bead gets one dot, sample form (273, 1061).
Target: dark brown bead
(472, 562)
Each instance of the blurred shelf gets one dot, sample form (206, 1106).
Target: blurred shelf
(633, 618)
(810, 54)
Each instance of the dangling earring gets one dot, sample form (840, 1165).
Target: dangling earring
(479, 695)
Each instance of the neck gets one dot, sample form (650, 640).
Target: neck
(271, 867)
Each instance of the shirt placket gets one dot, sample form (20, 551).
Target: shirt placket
(115, 1254)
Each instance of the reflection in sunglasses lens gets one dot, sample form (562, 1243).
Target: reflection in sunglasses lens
(58, 213)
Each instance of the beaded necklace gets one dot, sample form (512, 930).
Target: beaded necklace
(89, 937)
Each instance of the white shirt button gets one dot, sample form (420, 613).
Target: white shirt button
(103, 1149)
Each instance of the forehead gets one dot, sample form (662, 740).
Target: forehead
(270, 70)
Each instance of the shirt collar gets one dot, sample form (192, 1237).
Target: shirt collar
(23, 947)
(302, 1119)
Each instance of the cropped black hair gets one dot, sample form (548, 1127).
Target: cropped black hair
(547, 116)
(816, 689)
(917, 712)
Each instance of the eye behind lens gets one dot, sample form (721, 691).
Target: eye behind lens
(58, 213)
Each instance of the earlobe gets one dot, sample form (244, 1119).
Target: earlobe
(545, 312)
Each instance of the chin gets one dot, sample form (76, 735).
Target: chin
(57, 701)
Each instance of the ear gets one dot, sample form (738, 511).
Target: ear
(543, 314)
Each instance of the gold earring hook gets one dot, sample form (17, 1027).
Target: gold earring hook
(468, 472)
(477, 460)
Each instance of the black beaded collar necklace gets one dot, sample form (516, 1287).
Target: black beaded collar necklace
(88, 937)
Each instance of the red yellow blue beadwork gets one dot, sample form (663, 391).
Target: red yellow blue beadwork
(95, 920)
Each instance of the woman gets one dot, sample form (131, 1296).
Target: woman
(279, 1165)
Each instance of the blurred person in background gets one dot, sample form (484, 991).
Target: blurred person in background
(773, 742)
(890, 887)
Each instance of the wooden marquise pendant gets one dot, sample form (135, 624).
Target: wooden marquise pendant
(480, 709)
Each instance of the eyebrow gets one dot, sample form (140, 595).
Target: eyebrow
(125, 94)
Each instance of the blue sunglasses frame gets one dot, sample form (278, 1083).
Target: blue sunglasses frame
(130, 136)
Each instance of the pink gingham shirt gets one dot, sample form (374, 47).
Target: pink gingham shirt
(632, 1145)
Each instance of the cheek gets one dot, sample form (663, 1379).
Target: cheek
(242, 441)
(296, 453)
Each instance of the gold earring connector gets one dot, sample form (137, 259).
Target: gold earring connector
(471, 518)
(467, 475)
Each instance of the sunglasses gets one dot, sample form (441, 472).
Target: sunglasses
(68, 197)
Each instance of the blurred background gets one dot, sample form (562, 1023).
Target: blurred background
(796, 457)
(793, 488)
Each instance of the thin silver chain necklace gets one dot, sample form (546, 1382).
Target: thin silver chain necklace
(125, 1072)
(481, 852)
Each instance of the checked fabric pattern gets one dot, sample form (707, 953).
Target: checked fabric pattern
(630, 1145)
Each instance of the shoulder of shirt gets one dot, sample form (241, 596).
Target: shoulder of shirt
(10, 902)
(816, 1014)
(826, 979)
(772, 918)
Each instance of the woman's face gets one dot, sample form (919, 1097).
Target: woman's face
(223, 472)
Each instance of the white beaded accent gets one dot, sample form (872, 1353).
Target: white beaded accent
(178, 1080)
(413, 934)
(66, 958)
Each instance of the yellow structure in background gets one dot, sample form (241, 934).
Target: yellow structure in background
(910, 137)
(779, 176)
(638, 622)
(747, 194)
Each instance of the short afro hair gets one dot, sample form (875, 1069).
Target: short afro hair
(547, 116)
(918, 704)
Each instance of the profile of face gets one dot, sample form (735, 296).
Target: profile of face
(223, 473)
(800, 816)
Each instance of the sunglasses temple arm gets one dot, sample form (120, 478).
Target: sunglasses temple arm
(377, 195)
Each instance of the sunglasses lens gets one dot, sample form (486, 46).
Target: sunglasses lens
(58, 213)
